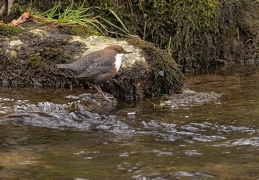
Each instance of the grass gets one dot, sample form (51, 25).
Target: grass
(81, 16)
(169, 47)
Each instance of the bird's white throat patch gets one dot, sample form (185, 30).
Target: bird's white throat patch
(118, 61)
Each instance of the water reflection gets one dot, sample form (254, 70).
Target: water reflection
(63, 134)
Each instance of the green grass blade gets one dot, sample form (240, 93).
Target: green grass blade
(117, 17)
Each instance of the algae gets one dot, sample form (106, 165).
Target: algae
(10, 30)
(36, 60)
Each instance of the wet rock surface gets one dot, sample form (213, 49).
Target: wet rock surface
(29, 59)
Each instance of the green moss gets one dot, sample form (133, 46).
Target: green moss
(201, 31)
(196, 32)
(166, 77)
(36, 61)
(10, 30)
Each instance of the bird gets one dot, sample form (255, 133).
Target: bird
(98, 67)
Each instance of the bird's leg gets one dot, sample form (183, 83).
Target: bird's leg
(98, 88)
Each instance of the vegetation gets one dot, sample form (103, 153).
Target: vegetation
(196, 33)
(9, 30)
(160, 75)
(81, 15)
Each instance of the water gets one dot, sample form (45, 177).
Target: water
(63, 134)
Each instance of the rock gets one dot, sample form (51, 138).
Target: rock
(30, 57)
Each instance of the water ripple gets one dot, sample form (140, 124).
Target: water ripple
(253, 141)
(75, 115)
(176, 101)
(72, 115)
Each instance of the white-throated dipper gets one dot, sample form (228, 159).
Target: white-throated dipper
(98, 67)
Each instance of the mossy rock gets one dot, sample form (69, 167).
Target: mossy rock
(148, 71)
(198, 33)
(154, 74)
(6, 30)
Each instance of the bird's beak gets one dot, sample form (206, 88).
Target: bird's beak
(127, 52)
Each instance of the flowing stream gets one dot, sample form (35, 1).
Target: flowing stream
(64, 134)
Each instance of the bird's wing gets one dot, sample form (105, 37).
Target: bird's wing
(82, 63)
(100, 66)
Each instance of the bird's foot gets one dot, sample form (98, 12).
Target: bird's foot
(105, 97)
(102, 94)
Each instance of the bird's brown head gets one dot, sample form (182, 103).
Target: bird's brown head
(117, 49)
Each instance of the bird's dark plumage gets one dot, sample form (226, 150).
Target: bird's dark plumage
(82, 63)
(99, 66)
(99, 71)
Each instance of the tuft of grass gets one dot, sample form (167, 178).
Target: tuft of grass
(121, 31)
(81, 16)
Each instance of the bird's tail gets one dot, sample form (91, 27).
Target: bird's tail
(63, 66)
